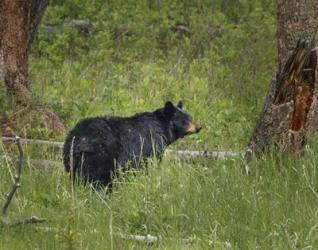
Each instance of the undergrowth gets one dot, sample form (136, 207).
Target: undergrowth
(273, 208)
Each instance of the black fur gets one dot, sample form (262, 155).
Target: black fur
(100, 143)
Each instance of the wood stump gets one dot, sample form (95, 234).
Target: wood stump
(290, 112)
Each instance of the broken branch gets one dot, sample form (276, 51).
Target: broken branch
(31, 220)
(17, 183)
(9, 196)
(151, 239)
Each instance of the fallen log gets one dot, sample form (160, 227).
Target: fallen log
(187, 154)
(147, 239)
(290, 112)
(53, 144)
(177, 154)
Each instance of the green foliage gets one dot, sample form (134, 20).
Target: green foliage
(221, 67)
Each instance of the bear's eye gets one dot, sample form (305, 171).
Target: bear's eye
(185, 122)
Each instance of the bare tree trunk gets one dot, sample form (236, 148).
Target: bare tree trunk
(290, 114)
(14, 21)
(19, 21)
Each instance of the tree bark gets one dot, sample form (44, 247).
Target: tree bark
(14, 21)
(19, 21)
(290, 114)
(295, 19)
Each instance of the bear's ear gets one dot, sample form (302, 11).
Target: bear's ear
(180, 105)
(169, 109)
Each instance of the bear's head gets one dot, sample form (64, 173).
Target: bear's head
(180, 122)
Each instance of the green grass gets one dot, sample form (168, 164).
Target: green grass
(273, 208)
(221, 71)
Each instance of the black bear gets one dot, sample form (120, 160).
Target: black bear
(97, 146)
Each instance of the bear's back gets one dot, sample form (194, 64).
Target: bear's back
(91, 136)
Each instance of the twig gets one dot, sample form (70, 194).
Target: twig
(32, 219)
(148, 239)
(9, 196)
(189, 240)
(61, 230)
(151, 239)
(17, 182)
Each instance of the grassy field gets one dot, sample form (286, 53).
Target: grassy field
(273, 208)
(221, 70)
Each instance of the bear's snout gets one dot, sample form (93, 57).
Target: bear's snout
(193, 127)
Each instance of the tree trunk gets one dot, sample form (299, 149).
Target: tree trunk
(14, 21)
(19, 21)
(290, 113)
(295, 19)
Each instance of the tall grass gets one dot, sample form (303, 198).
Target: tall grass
(273, 208)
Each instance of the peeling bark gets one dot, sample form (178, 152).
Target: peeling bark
(290, 112)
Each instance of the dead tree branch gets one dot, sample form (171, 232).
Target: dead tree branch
(177, 154)
(220, 155)
(148, 239)
(9, 196)
(31, 220)
(144, 239)
(55, 145)
(152, 239)
(17, 177)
